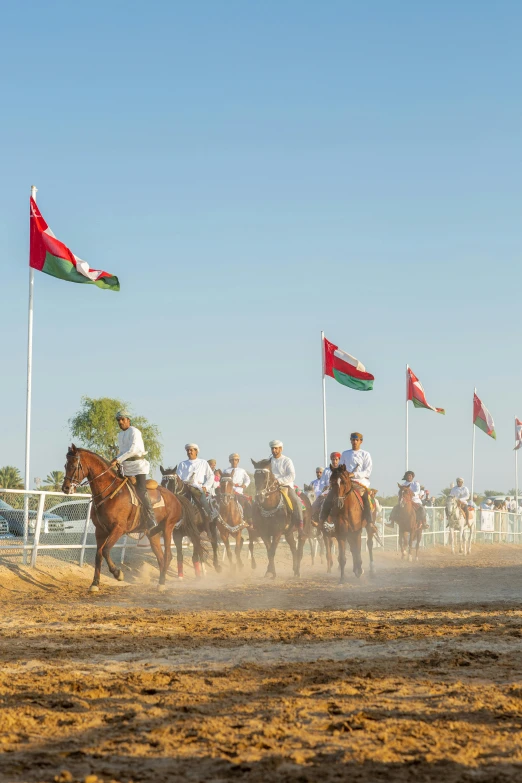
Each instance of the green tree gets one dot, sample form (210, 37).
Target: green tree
(388, 500)
(96, 427)
(491, 493)
(10, 478)
(53, 481)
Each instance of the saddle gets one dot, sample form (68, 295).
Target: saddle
(286, 498)
(155, 495)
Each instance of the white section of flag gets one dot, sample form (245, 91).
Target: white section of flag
(349, 359)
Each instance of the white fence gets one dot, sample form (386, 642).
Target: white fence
(58, 526)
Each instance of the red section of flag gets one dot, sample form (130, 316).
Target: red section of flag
(331, 361)
(415, 393)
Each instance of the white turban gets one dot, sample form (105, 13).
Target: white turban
(275, 443)
(320, 468)
(231, 456)
(191, 446)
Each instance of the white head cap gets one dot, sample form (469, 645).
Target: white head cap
(234, 455)
(191, 446)
(275, 443)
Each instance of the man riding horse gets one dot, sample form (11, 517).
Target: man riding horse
(408, 480)
(462, 494)
(324, 487)
(198, 474)
(131, 461)
(358, 464)
(283, 470)
(241, 482)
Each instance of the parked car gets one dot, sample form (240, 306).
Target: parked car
(4, 528)
(14, 517)
(74, 515)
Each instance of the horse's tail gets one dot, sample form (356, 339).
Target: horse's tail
(191, 527)
(307, 515)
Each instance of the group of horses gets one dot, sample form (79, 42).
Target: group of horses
(116, 512)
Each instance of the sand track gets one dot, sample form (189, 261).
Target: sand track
(414, 675)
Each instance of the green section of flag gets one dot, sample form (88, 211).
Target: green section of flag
(483, 425)
(65, 270)
(351, 382)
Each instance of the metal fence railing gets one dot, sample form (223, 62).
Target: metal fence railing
(40, 523)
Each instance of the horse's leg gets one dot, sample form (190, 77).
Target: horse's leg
(341, 545)
(461, 535)
(253, 563)
(214, 541)
(402, 542)
(163, 560)
(167, 557)
(354, 541)
(271, 555)
(239, 547)
(369, 542)
(419, 539)
(178, 541)
(112, 538)
(267, 542)
(301, 540)
(100, 540)
(295, 554)
(225, 537)
(329, 559)
(321, 546)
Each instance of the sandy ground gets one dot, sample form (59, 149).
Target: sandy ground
(413, 675)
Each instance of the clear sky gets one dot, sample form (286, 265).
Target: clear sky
(254, 173)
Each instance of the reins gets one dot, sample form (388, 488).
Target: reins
(86, 481)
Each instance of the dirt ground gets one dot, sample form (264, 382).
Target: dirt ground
(413, 675)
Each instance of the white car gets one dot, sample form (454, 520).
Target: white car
(74, 515)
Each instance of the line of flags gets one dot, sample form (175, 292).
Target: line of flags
(349, 371)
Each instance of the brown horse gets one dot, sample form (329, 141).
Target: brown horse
(271, 518)
(232, 522)
(404, 515)
(116, 511)
(348, 518)
(181, 489)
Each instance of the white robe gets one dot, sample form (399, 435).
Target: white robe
(415, 488)
(359, 463)
(197, 472)
(317, 484)
(461, 493)
(240, 477)
(130, 444)
(283, 470)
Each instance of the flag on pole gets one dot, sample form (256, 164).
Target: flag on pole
(49, 255)
(346, 369)
(416, 393)
(518, 434)
(482, 417)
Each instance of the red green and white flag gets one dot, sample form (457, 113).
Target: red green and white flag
(482, 417)
(518, 434)
(49, 255)
(346, 369)
(416, 394)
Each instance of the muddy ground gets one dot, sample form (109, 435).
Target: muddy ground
(413, 675)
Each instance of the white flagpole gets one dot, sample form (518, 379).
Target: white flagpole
(516, 469)
(324, 402)
(407, 368)
(27, 479)
(473, 453)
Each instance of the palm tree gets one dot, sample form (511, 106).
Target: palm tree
(53, 481)
(10, 478)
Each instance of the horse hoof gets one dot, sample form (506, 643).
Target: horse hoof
(181, 578)
(253, 565)
(162, 588)
(121, 576)
(94, 589)
(410, 559)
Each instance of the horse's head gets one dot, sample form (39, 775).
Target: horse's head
(340, 481)
(405, 495)
(226, 487)
(170, 479)
(263, 476)
(75, 472)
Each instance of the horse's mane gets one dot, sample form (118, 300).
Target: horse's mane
(262, 464)
(70, 453)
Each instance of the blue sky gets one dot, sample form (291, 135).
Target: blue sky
(254, 173)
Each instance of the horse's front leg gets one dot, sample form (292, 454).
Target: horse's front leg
(354, 540)
(239, 547)
(214, 541)
(341, 544)
(410, 545)
(289, 535)
(100, 540)
(178, 542)
(113, 537)
(328, 547)
(225, 537)
(461, 536)
(251, 542)
(369, 542)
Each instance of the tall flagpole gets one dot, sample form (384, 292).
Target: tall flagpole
(473, 452)
(516, 469)
(27, 479)
(407, 368)
(324, 401)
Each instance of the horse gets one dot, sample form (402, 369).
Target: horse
(409, 531)
(116, 511)
(231, 520)
(272, 518)
(457, 521)
(178, 487)
(348, 518)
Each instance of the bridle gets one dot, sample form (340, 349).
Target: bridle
(405, 493)
(341, 498)
(268, 489)
(80, 478)
(179, 485)
(226, 497)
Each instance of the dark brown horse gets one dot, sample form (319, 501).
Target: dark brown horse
(181, 489)
(116, 511)
(348, 518)
(232, 521)
(410, 532)
(272, 518)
